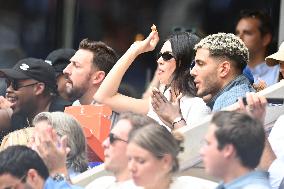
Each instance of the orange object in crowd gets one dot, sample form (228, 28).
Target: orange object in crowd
(95, 121)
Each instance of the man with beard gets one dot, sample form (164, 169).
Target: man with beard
(218, 71)
(87, 69)
(31, 89)
(59, 59)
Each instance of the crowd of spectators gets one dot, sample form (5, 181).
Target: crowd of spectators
(43, 147)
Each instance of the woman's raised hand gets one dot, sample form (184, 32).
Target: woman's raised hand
(147, 44)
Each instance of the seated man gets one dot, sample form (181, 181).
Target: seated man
(22, 167)
(255, 28)
(234, 145)
(272, 157)
(219, 63)
(31, 89)
(59, 59)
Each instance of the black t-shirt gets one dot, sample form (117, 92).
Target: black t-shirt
(19, 121)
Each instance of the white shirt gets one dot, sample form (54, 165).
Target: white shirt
(276, 173)
(193, 109)
(276, 137)
(108, 182)
(183, 182)
(186, 182)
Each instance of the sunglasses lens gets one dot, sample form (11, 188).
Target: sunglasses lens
(12, 82)
(166, 56)
(111, 138)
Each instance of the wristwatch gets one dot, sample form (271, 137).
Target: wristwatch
(58, 177)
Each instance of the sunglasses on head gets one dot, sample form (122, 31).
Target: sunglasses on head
(165, 55)
(15, 84)
(113, 138)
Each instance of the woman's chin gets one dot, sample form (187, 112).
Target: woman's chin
(164, 82)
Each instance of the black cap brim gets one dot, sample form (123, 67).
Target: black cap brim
(14, 74)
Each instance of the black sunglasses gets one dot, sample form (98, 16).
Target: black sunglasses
(165, 55)
(15, 84)
(113, 138)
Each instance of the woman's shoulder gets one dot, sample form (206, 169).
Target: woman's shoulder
(187, 100)
(192, 99)
(18, 137)
(184, 182)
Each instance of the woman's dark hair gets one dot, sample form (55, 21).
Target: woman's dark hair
(182, 47)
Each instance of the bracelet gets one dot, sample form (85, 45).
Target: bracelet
(176, 120)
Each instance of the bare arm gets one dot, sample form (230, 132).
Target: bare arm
(267, 157)
(257, 108)
(154, 83)
(107, 92)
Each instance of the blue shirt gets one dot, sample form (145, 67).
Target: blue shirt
(269, 74)
(230, 93)
(252, 180)
(51, 184)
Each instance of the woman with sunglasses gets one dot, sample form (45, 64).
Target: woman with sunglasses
(173, 70)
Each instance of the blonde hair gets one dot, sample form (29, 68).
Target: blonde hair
(158, 141)
(226, 45)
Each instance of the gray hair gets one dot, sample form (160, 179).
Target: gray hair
(158, 141)
(65, 124)
(226, 45)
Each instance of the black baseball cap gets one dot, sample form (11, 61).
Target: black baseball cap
(59, 59)
(32, 68)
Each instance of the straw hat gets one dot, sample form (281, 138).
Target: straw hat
(274, 59)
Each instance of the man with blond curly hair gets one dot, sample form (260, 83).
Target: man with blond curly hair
(218, 71)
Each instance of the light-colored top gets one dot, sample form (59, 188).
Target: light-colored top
(193, 109)
(18, 137)
(108, 182)
(252, 180)
(276, 173)
(183, 182)
(276, 140)
(276, 137)
(268, 74)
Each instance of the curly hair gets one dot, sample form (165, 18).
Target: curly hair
(226, 45)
